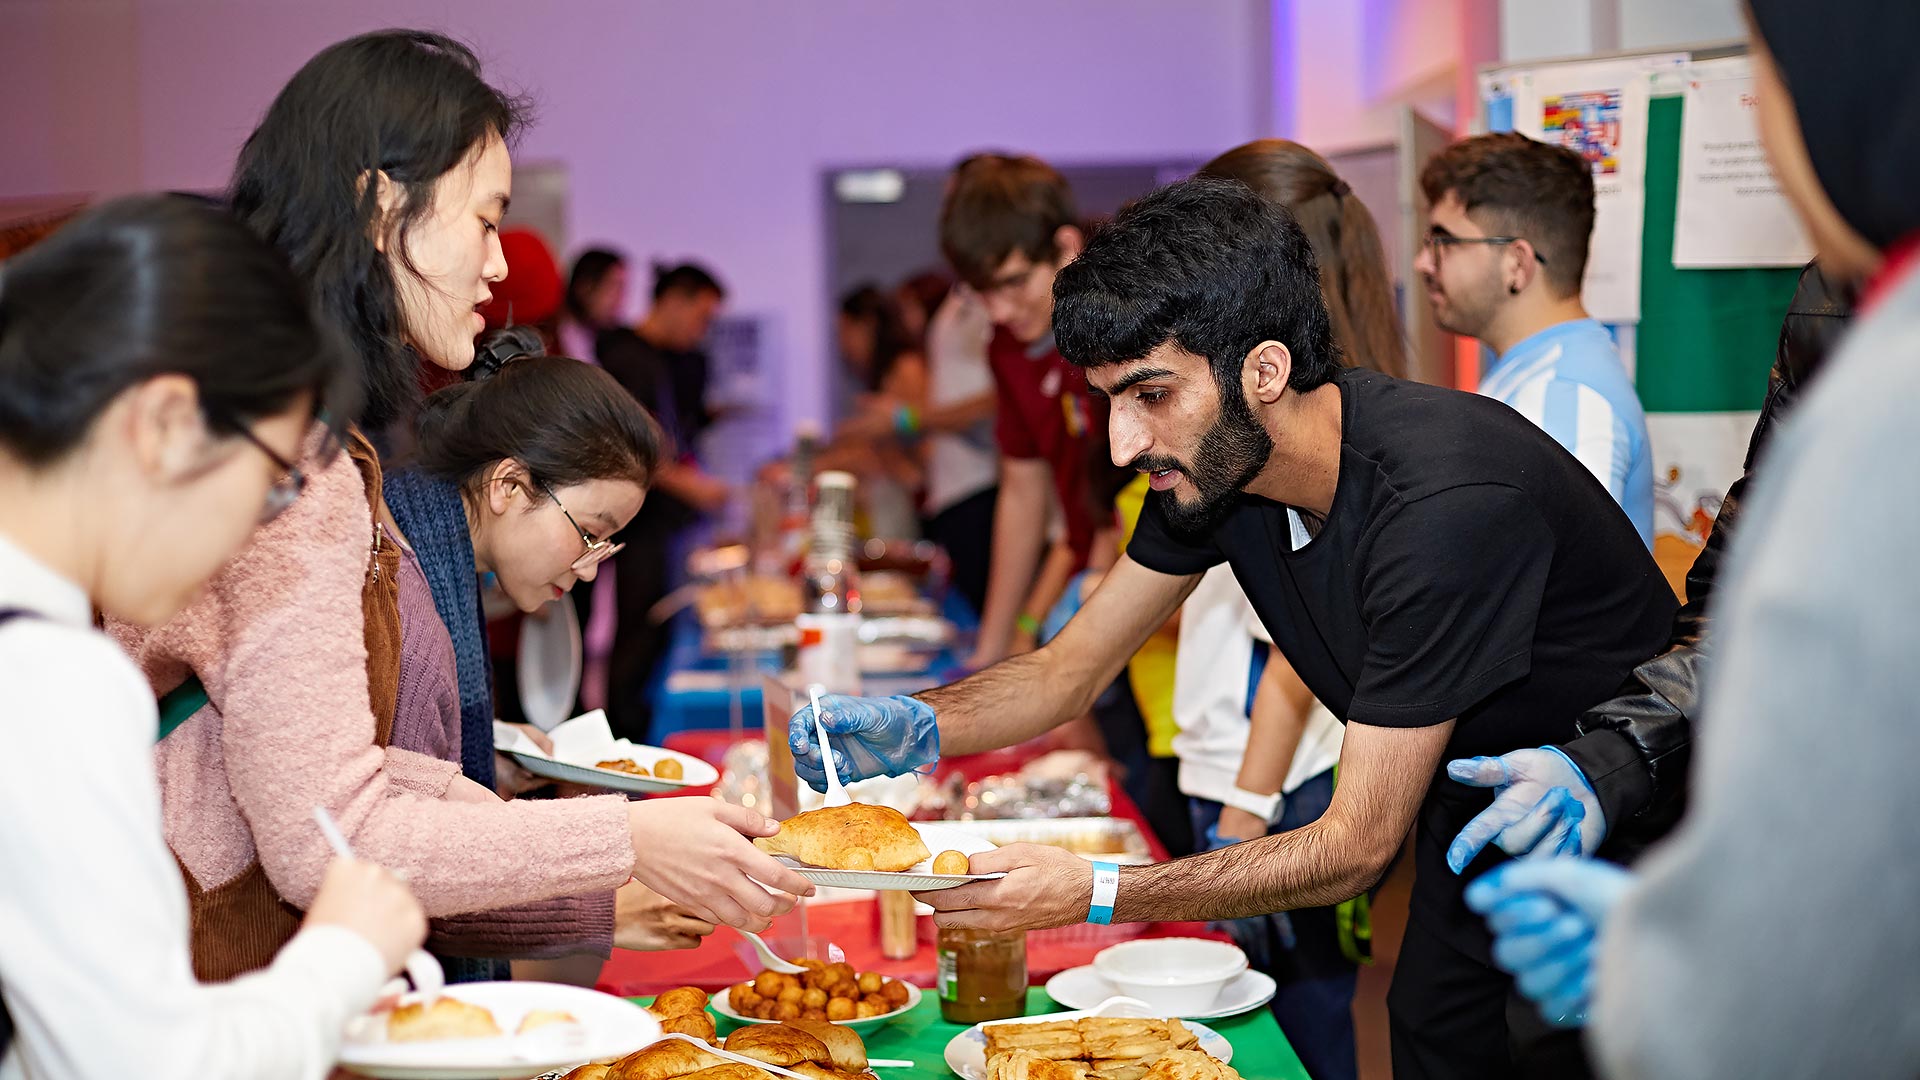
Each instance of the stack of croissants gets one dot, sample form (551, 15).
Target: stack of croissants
(812, 1048)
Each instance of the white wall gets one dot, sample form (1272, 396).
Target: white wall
(690, 127)
(1534, 29)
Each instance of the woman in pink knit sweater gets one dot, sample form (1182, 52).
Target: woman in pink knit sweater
(523, 472)
(382, 171)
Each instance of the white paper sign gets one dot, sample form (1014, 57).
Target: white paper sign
(1599, 110)
(1731, 211)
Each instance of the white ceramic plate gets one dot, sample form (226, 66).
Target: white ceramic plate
(967, 1051)
(939, 837)
(580, 742)
(1083, 988)
(609, 1027)
(550, 662)
(723, 1004)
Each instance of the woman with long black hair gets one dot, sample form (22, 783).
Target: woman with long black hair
(382, 171)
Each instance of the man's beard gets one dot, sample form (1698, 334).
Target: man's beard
(1232, 452)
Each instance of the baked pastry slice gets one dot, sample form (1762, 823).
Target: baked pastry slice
(853, 837)
(778, 1044)
(446, 1018)
(849, 1050)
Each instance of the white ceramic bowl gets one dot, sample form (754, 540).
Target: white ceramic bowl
(1179, 976)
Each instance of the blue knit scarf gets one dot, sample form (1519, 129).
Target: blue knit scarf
(434, 520)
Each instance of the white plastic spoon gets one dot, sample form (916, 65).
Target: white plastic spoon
(836, 794)
(768, 958)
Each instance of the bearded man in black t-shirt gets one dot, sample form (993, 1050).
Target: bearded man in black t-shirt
(1444, 577)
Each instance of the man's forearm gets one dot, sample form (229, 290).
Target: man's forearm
(1019, 535)
(1016, 699)
(1313, 866)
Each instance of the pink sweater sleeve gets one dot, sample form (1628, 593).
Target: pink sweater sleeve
(277, 639)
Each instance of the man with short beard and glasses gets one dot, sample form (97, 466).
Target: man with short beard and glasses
(1442, 574)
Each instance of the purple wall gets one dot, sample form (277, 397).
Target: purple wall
(689, 128)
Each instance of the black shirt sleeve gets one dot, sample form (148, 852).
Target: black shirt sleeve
(1450, 592)
(1158, 547)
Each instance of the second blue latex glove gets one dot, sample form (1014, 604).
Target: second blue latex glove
(1542, 805)
(1546, 918)
(871, 737)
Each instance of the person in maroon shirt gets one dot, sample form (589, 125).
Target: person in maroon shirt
(1008, 226)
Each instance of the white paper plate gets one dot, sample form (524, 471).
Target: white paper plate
(550, 663)
(580, 742)
(939, 837)
(609, 1027)
(723, 1004)
(967, 1051)
(1083, 988)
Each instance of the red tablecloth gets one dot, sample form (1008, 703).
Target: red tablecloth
(725, 957)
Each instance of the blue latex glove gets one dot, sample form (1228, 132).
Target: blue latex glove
(1542, 806)
(871, 737)
(1250, 933)
(1063, 609)
(1546, 917)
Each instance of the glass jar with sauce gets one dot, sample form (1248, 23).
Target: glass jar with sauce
(983, 975)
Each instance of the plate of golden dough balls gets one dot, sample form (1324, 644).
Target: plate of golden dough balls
(832, 992)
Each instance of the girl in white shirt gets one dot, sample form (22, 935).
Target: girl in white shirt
(160, 373)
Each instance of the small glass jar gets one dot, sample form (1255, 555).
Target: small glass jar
(983, 975)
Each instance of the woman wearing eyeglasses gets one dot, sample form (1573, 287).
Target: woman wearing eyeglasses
(521, 473)
(382, 172)
(142, 442)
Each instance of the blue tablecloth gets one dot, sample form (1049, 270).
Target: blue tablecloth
(701, 700)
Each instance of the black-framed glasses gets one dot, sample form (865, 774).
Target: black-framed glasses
(597, 550)
(287, 488)
(1438, 240)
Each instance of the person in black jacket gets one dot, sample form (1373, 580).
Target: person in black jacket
(1623, 781)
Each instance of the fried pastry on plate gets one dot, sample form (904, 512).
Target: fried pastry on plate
(732, 1070)
(846, 837)
(446, 1018)
(848, 1049)
(680, 1001)
(589, 1071)
(667, 1059)
(1022, 1065)
(1190, 1065)
(699, 1025)
(778, 1044)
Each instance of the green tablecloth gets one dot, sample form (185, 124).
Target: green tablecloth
(1260, 1051)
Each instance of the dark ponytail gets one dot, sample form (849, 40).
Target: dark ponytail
(1346, 245)
(566, 421)
(148, 286)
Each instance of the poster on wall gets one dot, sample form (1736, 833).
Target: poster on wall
(1599, 111)
(1731, 211)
